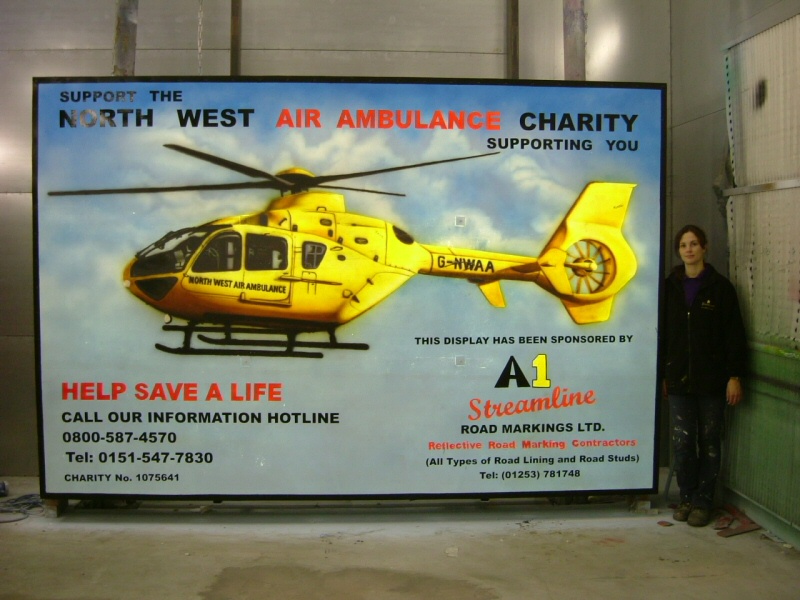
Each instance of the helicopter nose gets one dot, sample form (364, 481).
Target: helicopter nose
(156, 288)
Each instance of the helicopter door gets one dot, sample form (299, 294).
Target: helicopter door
(266, 267)
(218, 268)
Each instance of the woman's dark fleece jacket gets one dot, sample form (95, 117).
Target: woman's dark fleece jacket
(703, 345)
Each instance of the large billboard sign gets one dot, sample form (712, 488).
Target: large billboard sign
(307, 288)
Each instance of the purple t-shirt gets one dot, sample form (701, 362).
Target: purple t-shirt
(691, 285)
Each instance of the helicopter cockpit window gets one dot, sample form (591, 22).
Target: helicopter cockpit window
(266, 253)
(223, 253)
(313, 253)
(171, 253)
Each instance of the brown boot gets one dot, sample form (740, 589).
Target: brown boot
(682, 512)
(699, 517)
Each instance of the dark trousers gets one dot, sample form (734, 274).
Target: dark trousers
(696, 423)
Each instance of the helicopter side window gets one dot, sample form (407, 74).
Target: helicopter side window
(266, 253)
(223, 253)
(313, 253)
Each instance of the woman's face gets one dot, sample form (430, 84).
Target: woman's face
(692, 253)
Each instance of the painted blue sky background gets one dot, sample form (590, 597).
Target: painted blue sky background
(92, 329)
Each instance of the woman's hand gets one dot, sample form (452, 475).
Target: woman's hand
(734, 392)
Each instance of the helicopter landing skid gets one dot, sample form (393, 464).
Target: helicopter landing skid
(250, 346)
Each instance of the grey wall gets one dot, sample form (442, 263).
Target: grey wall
(675, 41)
(701, 32)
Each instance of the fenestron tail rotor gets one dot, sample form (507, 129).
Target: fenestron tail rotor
(588, 260)
(590, 266)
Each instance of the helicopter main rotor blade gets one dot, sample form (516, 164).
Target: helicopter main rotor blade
(229, 164)
(353, 189)
(291, 182)
(246, 185)
(326, 178)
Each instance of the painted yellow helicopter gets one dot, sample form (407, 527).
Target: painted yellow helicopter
(304, 264)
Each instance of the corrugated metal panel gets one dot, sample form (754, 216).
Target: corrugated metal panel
(392, 38)
(764, 131)
(313, 63)
(18, 452)
(764, 81)
(57, 25)
(616, 29)
(16, 268)
(365, 25)
(763, 449)
(353, 26)
(765, 264)
(17, 70)
(173, 25)
(762, 458)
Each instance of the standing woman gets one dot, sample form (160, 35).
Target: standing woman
(706, 356)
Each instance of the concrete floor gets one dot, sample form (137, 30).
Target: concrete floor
(396, 550)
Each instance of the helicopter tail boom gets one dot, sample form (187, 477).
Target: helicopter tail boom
(585, 263)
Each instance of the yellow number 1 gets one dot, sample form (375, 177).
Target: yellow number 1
(540, 363)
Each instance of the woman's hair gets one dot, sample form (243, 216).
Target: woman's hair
(699, 233)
